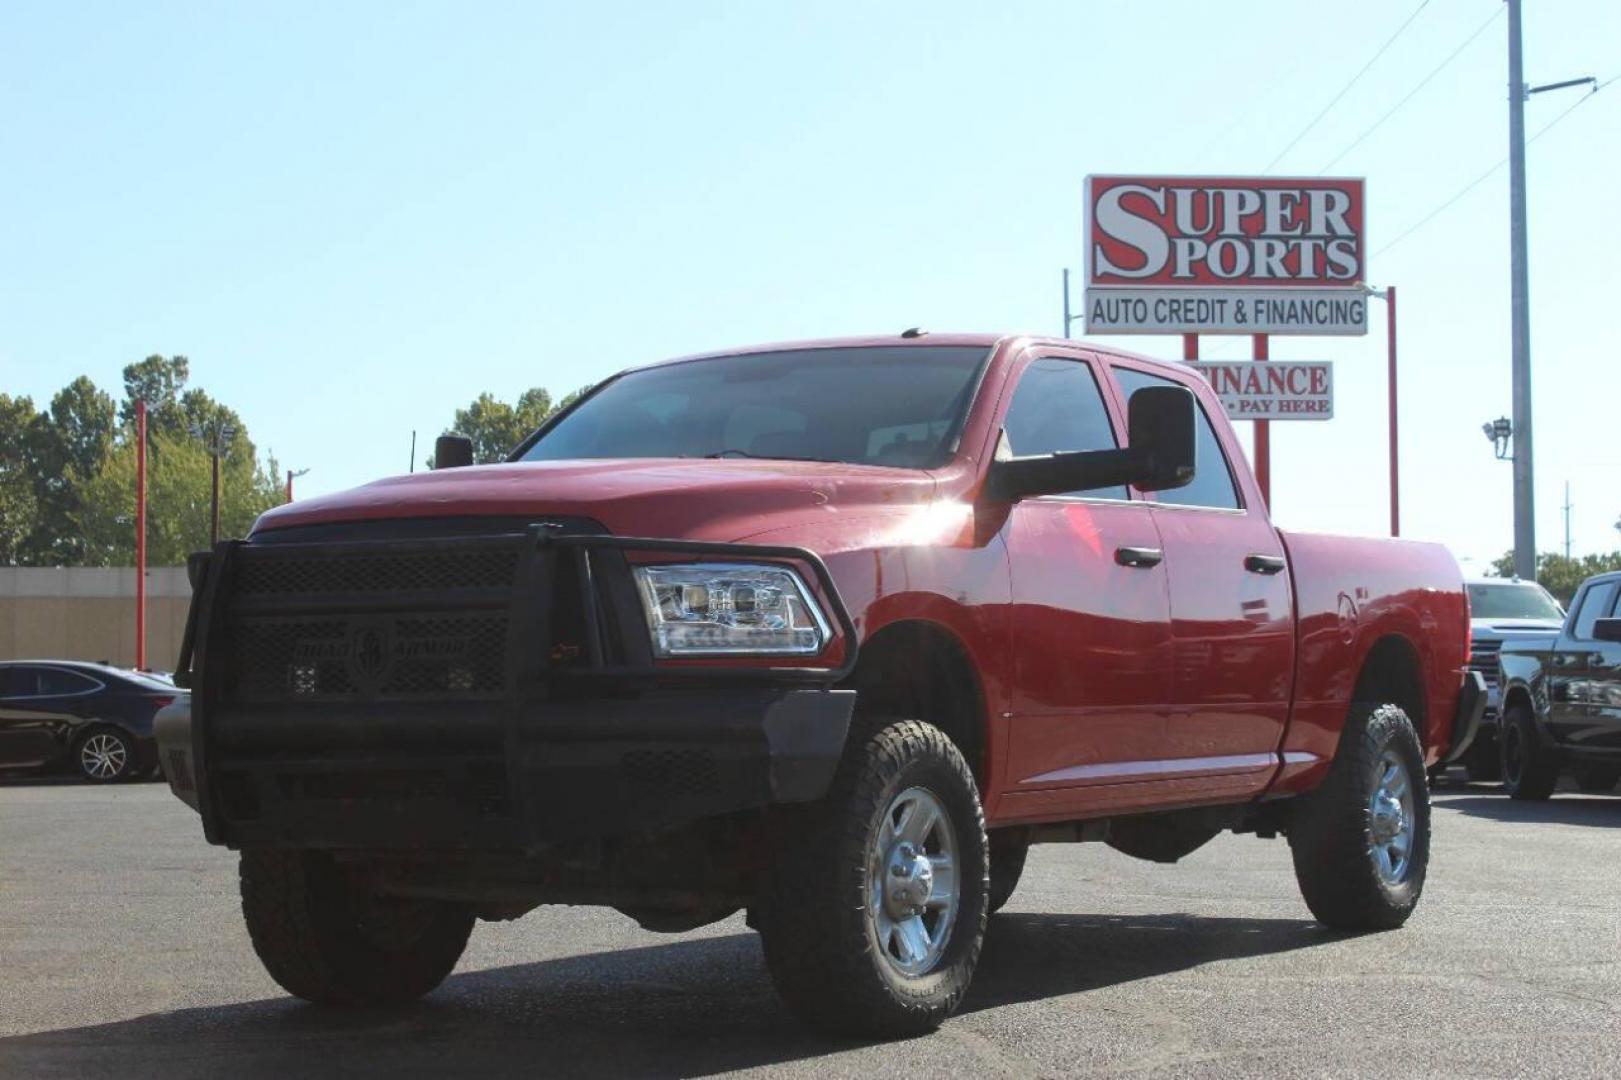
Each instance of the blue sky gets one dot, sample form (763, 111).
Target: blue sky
(355, 217)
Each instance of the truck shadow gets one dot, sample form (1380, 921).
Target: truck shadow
(697, 1006)
(1596, 811)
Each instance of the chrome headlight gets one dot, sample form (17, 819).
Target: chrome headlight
(714, 609)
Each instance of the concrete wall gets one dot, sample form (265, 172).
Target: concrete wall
(88, 613)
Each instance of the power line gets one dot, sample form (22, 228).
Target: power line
(1347, 87)
(1489, 173)
(1394, 109)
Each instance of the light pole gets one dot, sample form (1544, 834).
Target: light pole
(292, 475)
(216, 439)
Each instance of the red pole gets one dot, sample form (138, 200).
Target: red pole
(1395, 472)
(1190, 347)
(1263, 437)
(140, 534)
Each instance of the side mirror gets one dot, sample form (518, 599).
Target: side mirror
(452, 451)
(1160, 454)
(1607, 630)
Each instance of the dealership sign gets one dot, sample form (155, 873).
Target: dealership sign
(1255, 390)
(1192, 255)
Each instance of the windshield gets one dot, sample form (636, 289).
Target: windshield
(1517, 600)
(901, 406)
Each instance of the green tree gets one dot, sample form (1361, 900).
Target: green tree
(178, 500)
(19, 508)
(1559, 575)
(497, 428)
(69, 439)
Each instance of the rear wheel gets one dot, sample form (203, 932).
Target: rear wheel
(1361, 841)
(1596, 779)
(326, 937)
(1530, 767)
(878, 893)
(105, 755)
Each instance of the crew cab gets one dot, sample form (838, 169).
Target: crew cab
(1562, 698)
(827, 632)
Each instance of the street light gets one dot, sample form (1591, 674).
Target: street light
(217, 441)
(1500, 432)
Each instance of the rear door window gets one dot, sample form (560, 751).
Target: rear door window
(58, 681)
(1212, 484)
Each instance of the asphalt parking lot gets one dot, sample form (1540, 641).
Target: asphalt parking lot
(122, 954)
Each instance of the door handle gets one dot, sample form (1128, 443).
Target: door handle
(1138, 556)
(1264, 564)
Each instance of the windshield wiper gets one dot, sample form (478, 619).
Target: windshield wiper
(769, 457)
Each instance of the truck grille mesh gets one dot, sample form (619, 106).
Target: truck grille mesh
(369, 573)
(411, 656)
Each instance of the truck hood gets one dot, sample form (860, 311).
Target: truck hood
(683, 498)
(1514, 626)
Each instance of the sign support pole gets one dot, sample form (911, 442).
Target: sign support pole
(1263, 436)
(1395, 454)
(1190, 347)
(140, 534)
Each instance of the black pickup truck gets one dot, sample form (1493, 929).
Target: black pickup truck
(1562, 698)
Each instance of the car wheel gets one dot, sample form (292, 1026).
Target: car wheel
(1596, 779)
(1483, 763)
(1530, 769)
(105, 755)
(1009, 848)
(326, 937)
(878, 893)
(1361, 841)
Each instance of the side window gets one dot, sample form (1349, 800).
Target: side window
(19, 681)
(1213, 481)
(57, 681)
(1596, 603)
(1057, 407)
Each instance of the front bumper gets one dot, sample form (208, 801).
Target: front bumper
(338, 702)
(581, 769)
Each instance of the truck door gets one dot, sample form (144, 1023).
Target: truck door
(1232, 619)
(1583, 672)
(1090, 618)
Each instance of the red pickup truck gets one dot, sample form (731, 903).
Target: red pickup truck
(829, 632)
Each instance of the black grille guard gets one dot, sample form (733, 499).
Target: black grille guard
(615, 658)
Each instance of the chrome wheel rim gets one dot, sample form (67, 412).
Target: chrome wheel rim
(913, 892)
(103, 756)
(1391, 824)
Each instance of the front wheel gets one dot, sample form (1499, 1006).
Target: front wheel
(878, 893)
(1596, 779)
(1361, 842)
(328, 938)
(1530, 768)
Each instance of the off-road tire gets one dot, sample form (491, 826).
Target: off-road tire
(1595, 778)
(1330, 835)
(1009, 848)
(1530, 766)
(325, 939)
(818, 936)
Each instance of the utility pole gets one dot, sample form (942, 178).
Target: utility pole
(293, 474)
(1525, 528)
(1525, 531)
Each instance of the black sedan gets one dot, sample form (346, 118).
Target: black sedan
(94, 717)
